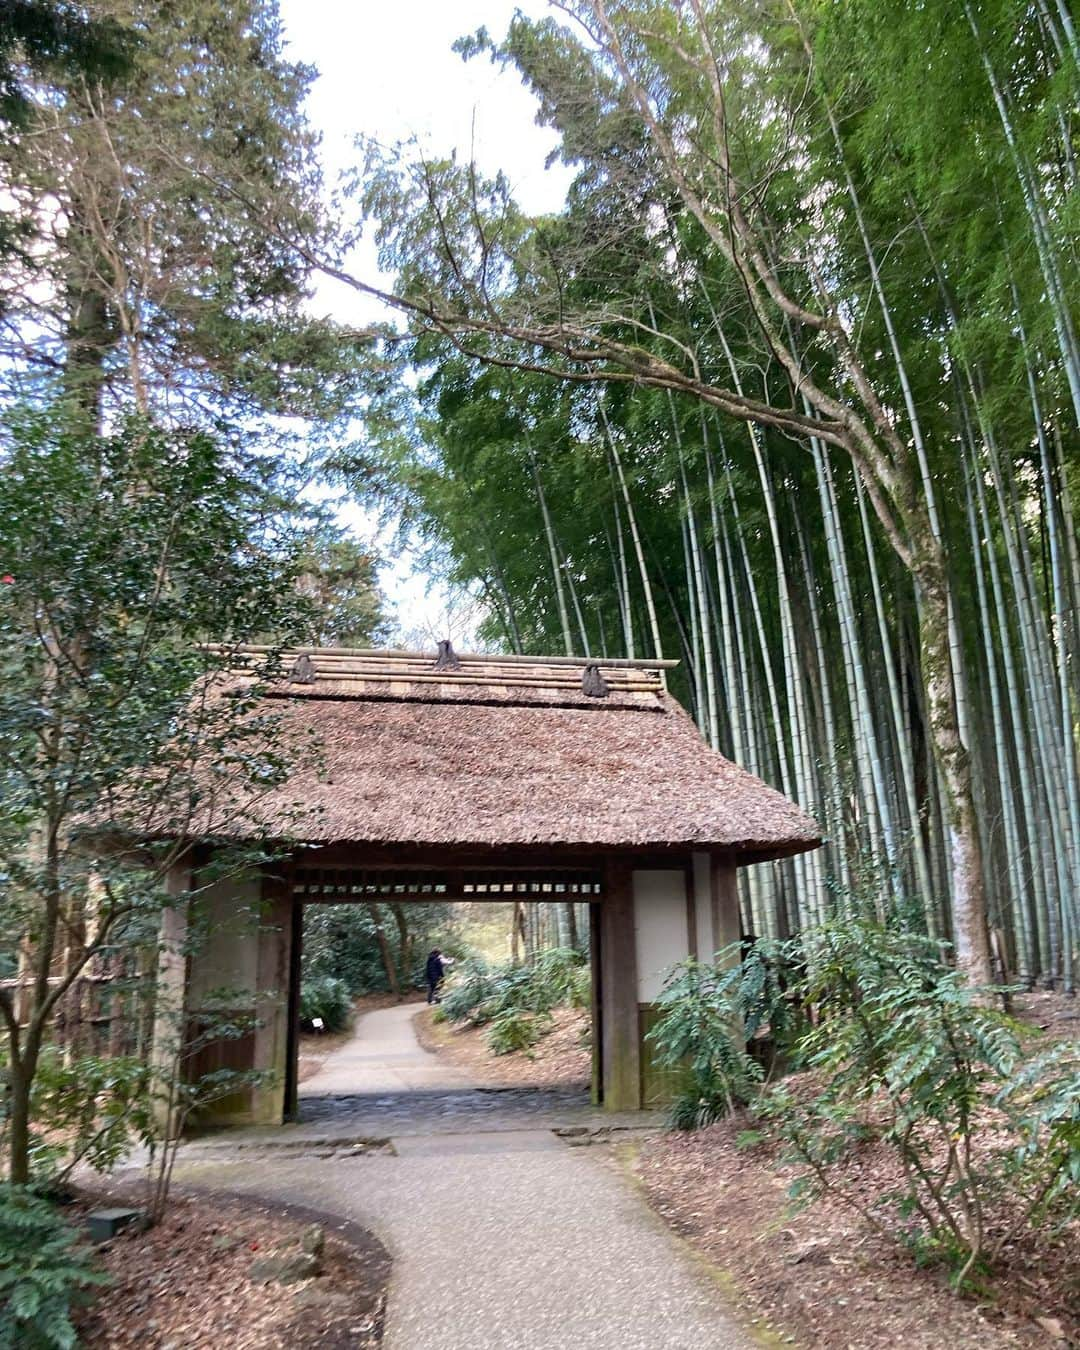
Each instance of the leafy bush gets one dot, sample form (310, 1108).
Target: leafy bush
(467, 993)
(701, 1032)
(901, 1051)
(44, 1272)
(96, 1109)
(557, 977)
(1042, 1101)
(579, 994)
(480, 994)
(905, 1052)
(328, 999)
(516, 1030)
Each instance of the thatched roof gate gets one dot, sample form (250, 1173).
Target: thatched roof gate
(490, 777)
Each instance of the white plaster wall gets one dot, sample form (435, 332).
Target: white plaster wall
(660, 931)
(703, 915)
(228, 953)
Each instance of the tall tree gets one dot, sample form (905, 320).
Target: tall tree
(732, 237)
(152, 545)
(150, 281)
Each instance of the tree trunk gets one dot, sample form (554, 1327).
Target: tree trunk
(19, 1081)
(961, 821)
(384, 949)
(405, 942)
(571, 924)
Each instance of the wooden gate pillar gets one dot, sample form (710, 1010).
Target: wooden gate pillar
(272, 981)
(619, 994)
(170, 998)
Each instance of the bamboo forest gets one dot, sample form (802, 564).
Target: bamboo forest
(539, 674)
(790, 391)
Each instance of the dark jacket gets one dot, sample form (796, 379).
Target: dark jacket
(433, 971)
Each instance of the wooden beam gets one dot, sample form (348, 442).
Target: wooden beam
(596, 1004)
(292, 1046)
(170, 1002)
(618, 982)
(273, 968)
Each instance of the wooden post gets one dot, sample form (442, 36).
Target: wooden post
(618, 984)
(727, 927)
(292, 1051)
(170, 1000)
(597, 1006)
(273, 968)
(727, 930)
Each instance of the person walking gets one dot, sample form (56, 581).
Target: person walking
(433, 973)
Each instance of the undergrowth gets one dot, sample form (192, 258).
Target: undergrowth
(516, 1002)
(893, 1047)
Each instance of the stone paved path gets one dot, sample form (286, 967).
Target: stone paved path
(503, 1236)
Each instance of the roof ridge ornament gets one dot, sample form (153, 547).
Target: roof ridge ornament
(303, 671)
(447, 658)
(593, 684)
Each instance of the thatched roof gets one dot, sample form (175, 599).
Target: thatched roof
(503, 752)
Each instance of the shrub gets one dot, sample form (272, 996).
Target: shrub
(700, 1031)
(467, 992)
(555, 976)
(904, 1051)
(1042, 1100)
(324, 997)
(44, 1272)
(580, 991)
(516, 1030)
(517, 1000)
(96, 1108)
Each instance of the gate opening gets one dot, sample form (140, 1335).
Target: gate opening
(519, 1007)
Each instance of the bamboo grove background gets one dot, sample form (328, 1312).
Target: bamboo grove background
(627, 522)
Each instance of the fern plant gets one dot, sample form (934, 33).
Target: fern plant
(905, 1049)
(1042, 1100)
(700, 1032)
(517, 1030)
(44, 1272)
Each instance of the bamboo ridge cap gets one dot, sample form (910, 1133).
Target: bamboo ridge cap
(475, 658)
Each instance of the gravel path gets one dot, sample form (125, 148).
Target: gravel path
(503, 1236)
(384, 1056)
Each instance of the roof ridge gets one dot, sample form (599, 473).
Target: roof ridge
(469, 658)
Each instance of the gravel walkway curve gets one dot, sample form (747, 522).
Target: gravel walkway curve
(502, 1239)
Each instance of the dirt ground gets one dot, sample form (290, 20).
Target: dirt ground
(560, 1059)
(821, 1277)
(185, 1285)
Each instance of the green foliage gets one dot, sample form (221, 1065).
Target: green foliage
(326, 998)
(517, 1000)
(900, 1052)
(579, 987)
(340, 578)
(479, 993)
(467, 994)
(514, 1029)
(1042, 1100)
(904, 1052)
(341, 943)
(188, 295)
(40, 38)
(93, 1110)
(153, 544)
(700, 1031)
(938, 144)
(558, 975)
(44, 1271)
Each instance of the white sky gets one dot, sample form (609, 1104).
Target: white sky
(387, 71)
